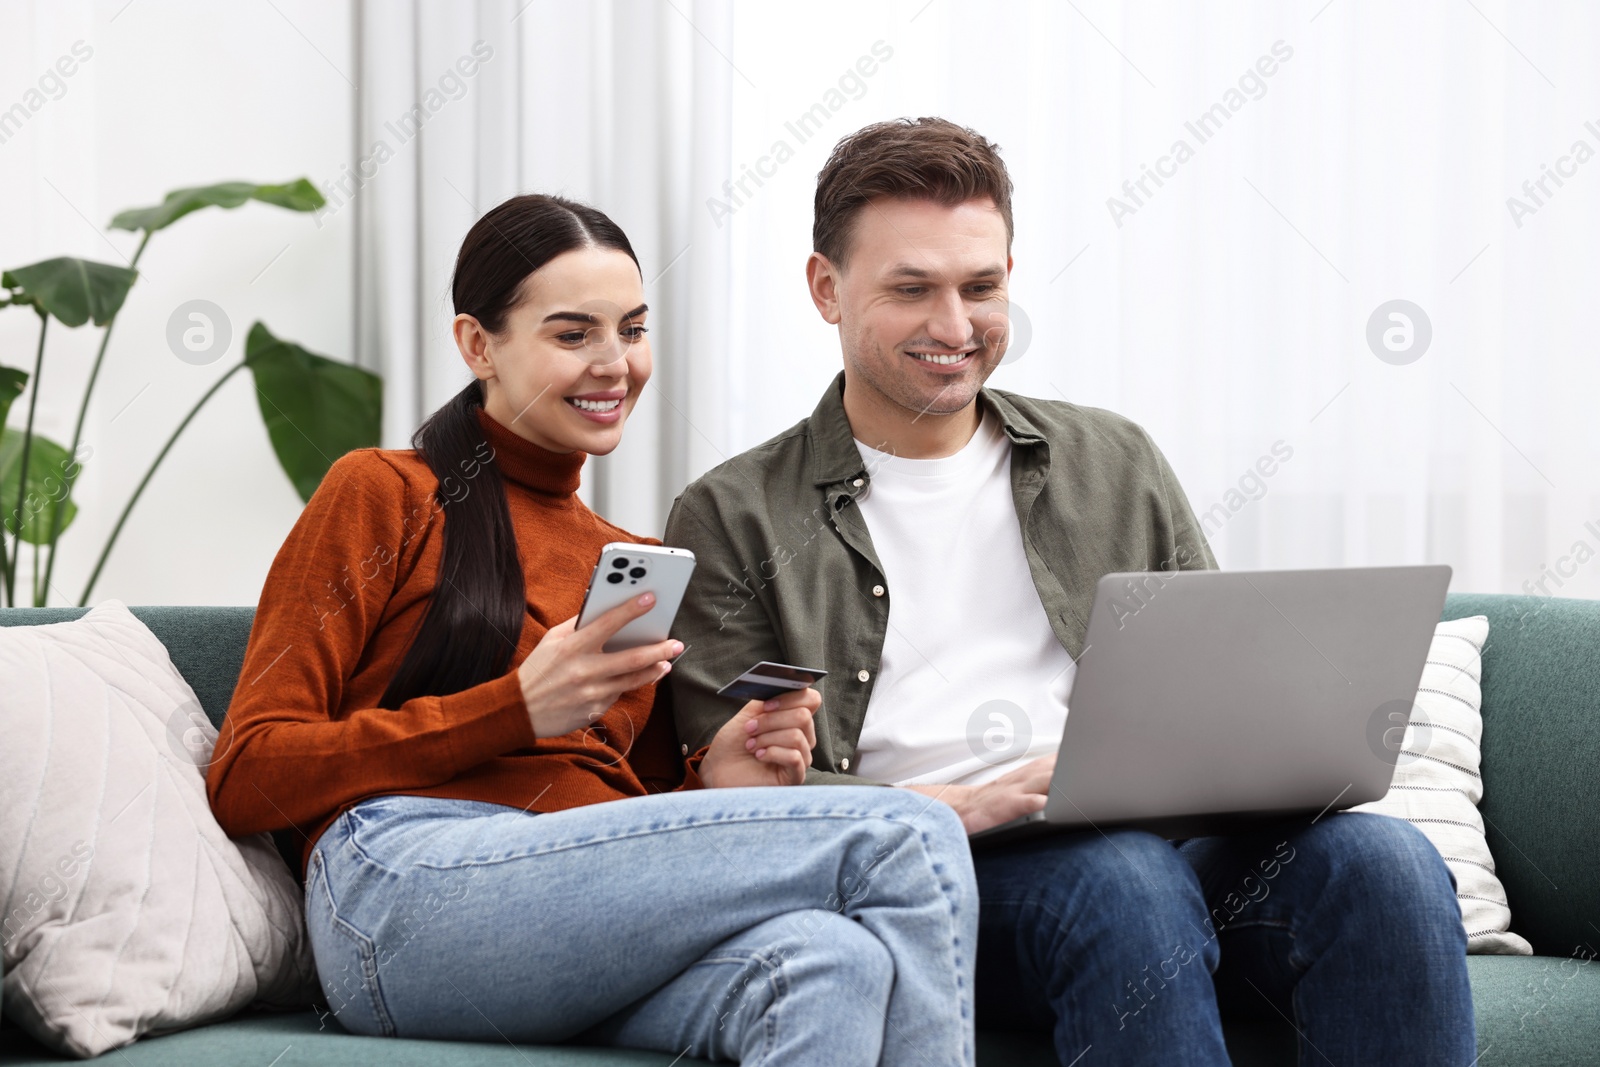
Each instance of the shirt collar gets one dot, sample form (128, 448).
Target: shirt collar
(534, 467)
(835, 458)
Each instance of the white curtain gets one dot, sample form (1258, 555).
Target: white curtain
(1340, 156)
(621, 105)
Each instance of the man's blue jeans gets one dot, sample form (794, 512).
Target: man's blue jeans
(1121, 943)
(815, 927)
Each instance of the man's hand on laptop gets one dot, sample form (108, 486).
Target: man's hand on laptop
(1011, 796)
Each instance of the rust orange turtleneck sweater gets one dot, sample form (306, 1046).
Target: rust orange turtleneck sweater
(304, 740)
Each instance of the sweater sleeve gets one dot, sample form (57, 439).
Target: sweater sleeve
(661, 762)
(285, 756)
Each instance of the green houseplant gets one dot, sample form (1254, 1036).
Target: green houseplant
(315, 408)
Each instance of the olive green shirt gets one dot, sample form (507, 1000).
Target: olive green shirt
(786, 570)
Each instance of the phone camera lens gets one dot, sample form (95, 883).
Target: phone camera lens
(637, 572)
(620, 562)
(615, 577)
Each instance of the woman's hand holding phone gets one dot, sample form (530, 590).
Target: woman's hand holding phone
(762, 746)
(568, 682)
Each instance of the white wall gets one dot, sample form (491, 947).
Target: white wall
(1230, 309)
(176, 93)
(1226, 314)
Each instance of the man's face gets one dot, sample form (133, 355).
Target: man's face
(921, 301)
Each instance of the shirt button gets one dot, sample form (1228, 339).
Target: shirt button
(685, 750)
(877, 590)
(859, 482)
(863, 675)
(844, 764)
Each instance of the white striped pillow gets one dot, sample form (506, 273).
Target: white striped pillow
(128, 911)
(1437, 786)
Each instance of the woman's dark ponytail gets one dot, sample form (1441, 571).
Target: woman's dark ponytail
(474, 617)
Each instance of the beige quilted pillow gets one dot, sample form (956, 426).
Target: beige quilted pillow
(1436, 783)
(127, 910)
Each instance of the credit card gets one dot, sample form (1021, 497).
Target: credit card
(767, 680)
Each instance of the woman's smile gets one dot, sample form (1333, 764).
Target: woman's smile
(603, 407)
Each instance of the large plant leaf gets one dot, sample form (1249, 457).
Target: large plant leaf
(12, 382)
(72, 290)
(316, 409)
(298, 195)
(48, 464)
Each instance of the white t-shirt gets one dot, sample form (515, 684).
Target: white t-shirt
(973, 682)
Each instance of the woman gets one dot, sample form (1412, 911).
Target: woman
(501, 842)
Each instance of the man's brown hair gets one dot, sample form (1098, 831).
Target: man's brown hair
(924, 158)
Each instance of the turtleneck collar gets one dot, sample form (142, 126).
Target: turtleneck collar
(529, 465)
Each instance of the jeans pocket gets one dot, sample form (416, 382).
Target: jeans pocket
(347, 962)
(378, 807)
(398, 831)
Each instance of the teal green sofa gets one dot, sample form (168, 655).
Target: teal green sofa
(1541, 767)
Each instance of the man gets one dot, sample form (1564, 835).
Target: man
(935, 545)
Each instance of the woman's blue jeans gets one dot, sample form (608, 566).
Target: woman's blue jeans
(802, 926)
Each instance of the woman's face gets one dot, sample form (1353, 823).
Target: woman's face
(573, 358)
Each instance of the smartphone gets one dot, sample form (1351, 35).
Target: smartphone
(767, 680)
(623, 572)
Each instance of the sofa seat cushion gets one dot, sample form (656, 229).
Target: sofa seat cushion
(301, 1040)
(310, 1039)
(1533, 1011)
(307, 1039)
(1538, 1010)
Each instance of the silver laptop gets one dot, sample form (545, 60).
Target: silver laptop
(1208, 701)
